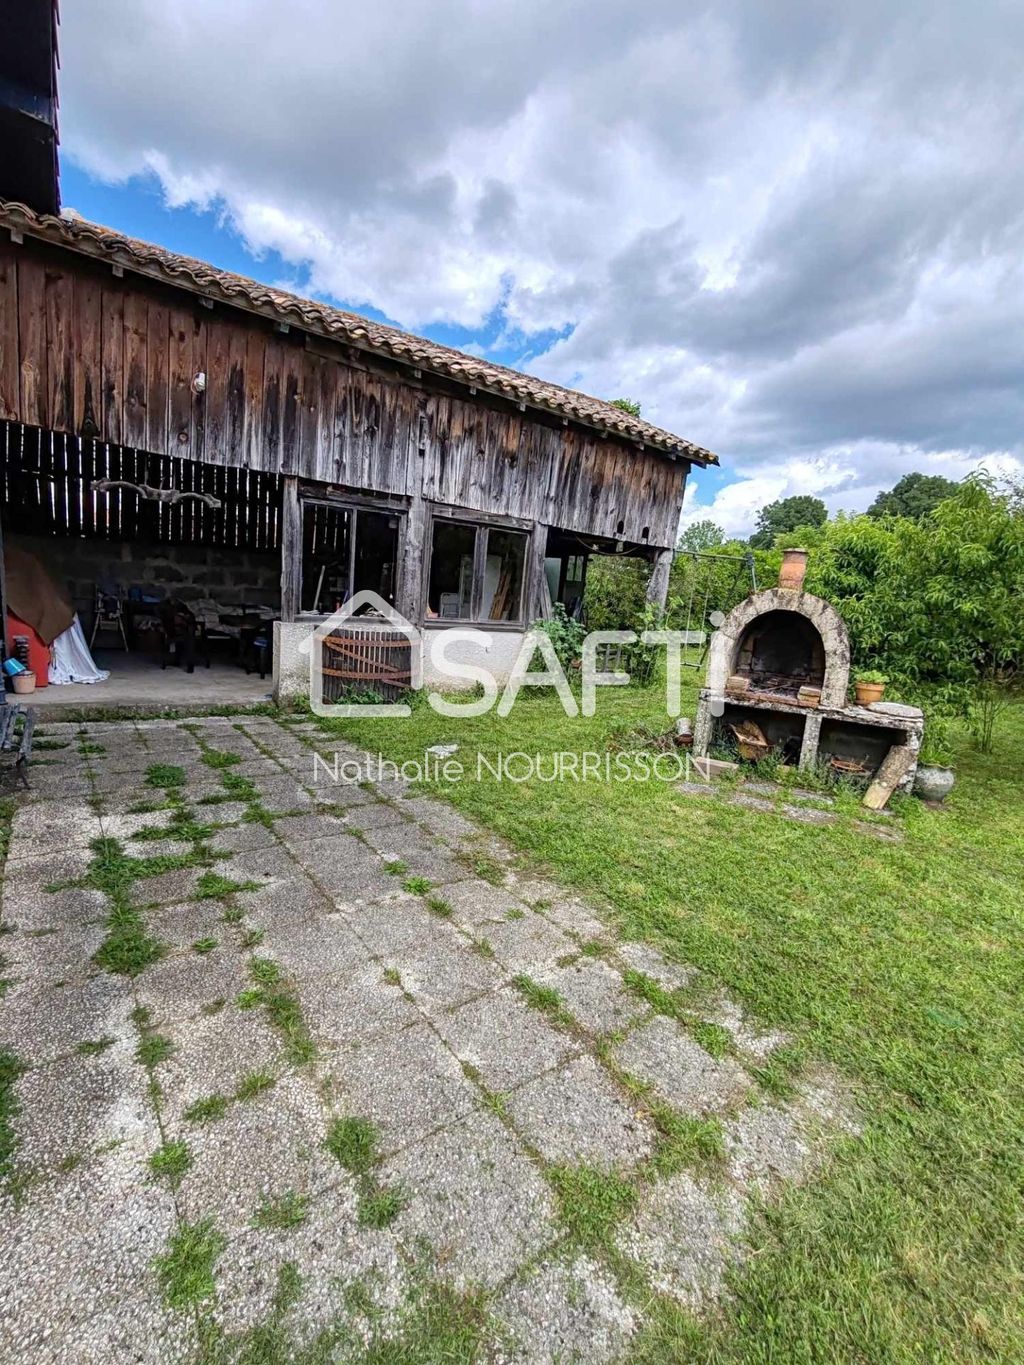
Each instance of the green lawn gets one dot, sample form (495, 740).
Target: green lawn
(902, 965)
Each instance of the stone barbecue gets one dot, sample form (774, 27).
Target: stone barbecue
(781, 661)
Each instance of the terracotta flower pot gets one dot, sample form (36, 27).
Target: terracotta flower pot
(24, 683)
(869, 692)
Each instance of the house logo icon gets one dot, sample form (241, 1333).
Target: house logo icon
(365, 646)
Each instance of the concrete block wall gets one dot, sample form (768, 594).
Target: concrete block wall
(189, 572)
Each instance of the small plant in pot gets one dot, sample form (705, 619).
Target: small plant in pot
(935, 772)
(869, 686)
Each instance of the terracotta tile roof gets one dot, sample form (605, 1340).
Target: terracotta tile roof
(322, 319)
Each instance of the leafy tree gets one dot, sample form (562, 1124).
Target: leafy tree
(629, 405)
(785, 515)
(914, 496)
(701, 537)
(616, 591)
(935, 603)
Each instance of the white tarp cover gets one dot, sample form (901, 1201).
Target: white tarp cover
(71, 661)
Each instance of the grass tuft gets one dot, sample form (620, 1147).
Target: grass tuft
(417, 886)
(353, 1143)
(11, 1067)
(591, 1202)
(288, 1210)
(185, 1270)
(543, 998)
(381, 1205)
(153, 1049)
(254, 1083)
(212, 885)
(165, 775)
(220, 759)
(207, 1110)
(264, 971)
(171, 1162)
(91, 1047)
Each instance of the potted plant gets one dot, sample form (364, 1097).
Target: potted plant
(935, 772)
(869, 686)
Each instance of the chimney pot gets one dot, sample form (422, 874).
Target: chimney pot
(794, 568)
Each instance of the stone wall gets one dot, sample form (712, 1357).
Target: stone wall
(186, 571)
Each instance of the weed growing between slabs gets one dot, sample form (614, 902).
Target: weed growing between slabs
(353, 1144)
(10, 1069)
(185, 1270)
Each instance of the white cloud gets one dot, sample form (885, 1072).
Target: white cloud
(793, 234)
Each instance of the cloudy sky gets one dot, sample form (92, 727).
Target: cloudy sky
(792, 229)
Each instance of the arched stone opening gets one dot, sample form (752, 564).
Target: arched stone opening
(800, 632)
(780, 652)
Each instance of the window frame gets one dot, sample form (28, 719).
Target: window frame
(354, 505)
(482, 523)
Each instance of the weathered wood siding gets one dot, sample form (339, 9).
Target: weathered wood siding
(84, 352)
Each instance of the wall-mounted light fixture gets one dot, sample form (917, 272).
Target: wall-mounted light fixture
(199, 382)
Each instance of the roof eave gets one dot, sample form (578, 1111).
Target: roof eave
(22, 221)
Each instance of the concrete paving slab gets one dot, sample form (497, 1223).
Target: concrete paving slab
(529, 945)
(749, 1039)
(332, 1254)
(685, 1235)
(559, 1312)
(503, 1039)
(37, 829)
(445, 972)
(641, 957)
(45, 958)
(357, 1007)
(475, 902)
(686, 1076)
(181, 986)
(577, 1115)
(41, 1023)
(397, 927)
(76, 1247)
(167, 888)
(408, 1084)
(211, 1055)
(378, 815)
(74, 1107)
(242, 838)
(307, 949)
(295, 829)
(29, 906)
(272, 862)
(262, 1148)
(179, 926)
(475, 1198)
(593, 994)
(278, 902)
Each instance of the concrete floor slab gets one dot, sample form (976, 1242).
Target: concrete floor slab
(475, 1198)
(690, 1079)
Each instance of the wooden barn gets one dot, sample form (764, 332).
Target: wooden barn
(172, 432)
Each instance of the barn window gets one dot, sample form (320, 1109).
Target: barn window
(346, 550)
(476, 572)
